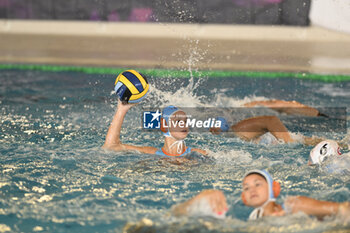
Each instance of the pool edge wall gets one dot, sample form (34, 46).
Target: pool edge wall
(175, 46)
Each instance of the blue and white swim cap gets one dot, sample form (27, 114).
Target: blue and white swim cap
(166, 114)
(274, 187)
(322, 150)
(224, 125)
(274, 190)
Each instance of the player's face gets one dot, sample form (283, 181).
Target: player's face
(255, 190)
(178, 127)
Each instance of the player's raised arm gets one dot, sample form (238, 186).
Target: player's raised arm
(131, 87)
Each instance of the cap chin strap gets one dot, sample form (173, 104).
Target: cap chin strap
(180, 144)
(259, 212)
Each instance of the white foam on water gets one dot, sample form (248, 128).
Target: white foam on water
(181, 98)
(297, 137)
(221, 100)
(231, 156)
(333, 91)
(185, 97)
(201, 208)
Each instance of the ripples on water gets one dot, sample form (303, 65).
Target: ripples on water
(55, 178)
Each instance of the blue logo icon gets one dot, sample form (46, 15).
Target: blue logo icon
(151, 120)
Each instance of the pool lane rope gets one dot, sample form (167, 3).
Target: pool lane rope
(170, 73)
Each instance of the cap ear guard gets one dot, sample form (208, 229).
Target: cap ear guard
(338, 151)
(276, 188)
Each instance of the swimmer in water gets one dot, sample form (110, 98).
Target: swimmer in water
(328, 155)
(323, 151)
(271, 127)
(260, 192)
(252, 129)
(287, 107)
(174, 144)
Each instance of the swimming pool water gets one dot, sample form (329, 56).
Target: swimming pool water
(55, 177)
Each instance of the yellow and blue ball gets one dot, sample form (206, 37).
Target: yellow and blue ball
(131, 86)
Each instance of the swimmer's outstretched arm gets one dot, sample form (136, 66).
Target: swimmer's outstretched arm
(317, 208)
(252, 128)
(112, 141)
(288, 107)
(203, 152)
(214, 198)
(312, 141)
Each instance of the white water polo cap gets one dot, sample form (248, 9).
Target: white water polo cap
(322, 150)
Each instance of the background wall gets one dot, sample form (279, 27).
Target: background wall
(276, 12)
(180, 34)
(332, 14)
